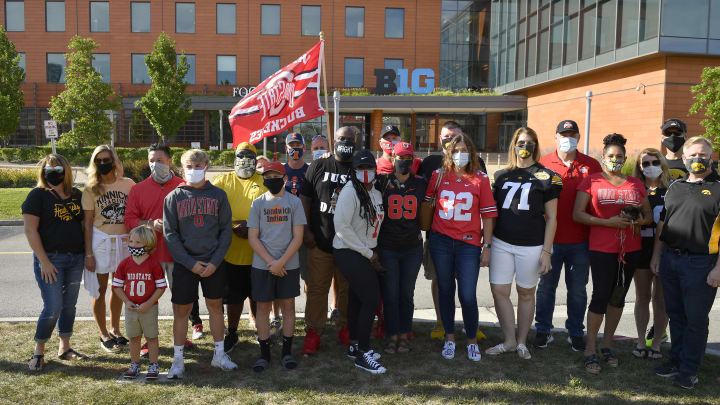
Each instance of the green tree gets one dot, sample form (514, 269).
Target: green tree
(11, 97)
(85, 98)
(707, 101)
(165, 104)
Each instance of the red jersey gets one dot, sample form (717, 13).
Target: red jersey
(144, 202)
(606, 202)
(384, 166)
(139, 281)
(461, 203)
(569, 231)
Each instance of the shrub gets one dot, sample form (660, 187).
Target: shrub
(17, 178)
(136, 169)
(226, 158)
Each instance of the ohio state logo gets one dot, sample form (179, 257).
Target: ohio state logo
(279, 92)
(567, 125)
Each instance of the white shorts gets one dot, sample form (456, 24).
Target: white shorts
(109, 251)
(508, 261)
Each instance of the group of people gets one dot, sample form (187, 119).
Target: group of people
(353, 222)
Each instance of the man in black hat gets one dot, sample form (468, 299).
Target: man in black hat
(674, 134)
(389, 137)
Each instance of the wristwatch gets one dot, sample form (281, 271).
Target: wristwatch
(486, 245)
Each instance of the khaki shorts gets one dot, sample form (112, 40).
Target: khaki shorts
(428, 265)
(137, 324)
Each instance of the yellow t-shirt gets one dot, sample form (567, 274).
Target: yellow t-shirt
(240, 194)
(110, 206)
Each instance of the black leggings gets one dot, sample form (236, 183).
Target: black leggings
(363, 294)
(605, 268)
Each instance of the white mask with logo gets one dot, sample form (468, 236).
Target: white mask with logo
(567, 144)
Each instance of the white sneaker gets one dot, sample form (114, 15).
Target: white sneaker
(177, 369)
(197, 332)
(223, 362)
(449, 350)
(473, 352)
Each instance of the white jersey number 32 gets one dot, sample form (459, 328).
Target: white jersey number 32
(452, 205)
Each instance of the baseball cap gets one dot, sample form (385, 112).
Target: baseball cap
(674, 123)
(403, 148)
(390, 129)
(246, 146)
(274, 167)
(567, 126)
(364, 157)
(294, 137)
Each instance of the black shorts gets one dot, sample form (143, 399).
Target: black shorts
(646, 253)
(268, 287)
(185, 285)
(238, 287)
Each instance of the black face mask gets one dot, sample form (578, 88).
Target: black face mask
(445, 142)
(674, 143)
(524, 152)
(697, 165)
(274, 185)
(402, 166)
(344, 150)
(55, 178)
(104, 168)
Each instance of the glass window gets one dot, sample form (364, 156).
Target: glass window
(268, 66)
(226, 70)
(628, 17)
(140, 16)
(521, 60)
(587, 42)
(394, 22)
(311, 20)
(573, 6)
(543, 53)
(139, 69)
(185, 18)
(99, 16)
(571, 39)
(606, 26)
(225, 18)
(15, 15)
(55, 68)
(531, 55)
(22, 60)
(715, 16)
(556, 34)
(649, 18)
(55, 16)
(354, 22)
(354, 76)
(190, 75)
(101, 63)
(687, 18)
(270, 15)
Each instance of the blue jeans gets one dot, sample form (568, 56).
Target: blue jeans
(576, 258)
(59, 298)
(688, 300)
(398, 287)
(455, 259)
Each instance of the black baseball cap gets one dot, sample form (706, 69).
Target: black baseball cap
(674, 123)
(567, 126)
(390, 129)
(364, 157)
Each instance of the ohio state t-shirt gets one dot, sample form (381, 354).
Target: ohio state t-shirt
(139, 281)
(607, 201)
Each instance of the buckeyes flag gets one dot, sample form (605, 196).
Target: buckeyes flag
(288, 97)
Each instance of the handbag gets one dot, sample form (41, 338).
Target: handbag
(427, 207)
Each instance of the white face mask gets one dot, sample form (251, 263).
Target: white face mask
(365, 176)
(194, 176)
(567, 144)
(652, 172)
(318, 153)
(461, 159)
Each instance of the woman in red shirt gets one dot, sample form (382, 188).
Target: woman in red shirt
(614, 206)
(465, 207)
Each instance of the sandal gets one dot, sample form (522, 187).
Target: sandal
(608, 357)
(71, 354)
(288, 362)
(499, 349)
(523, 352)
(640, 353)
(655, 355)
(260, 365)
(403, 346)
(592, 365)
(37, 362)
(119, 339)
(391, 347)
(109, 345)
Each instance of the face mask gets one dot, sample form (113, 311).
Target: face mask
(245, 166)
(160, 172)
(274, 185)
(567, 144)
(674, 143)
(137, 251)
(194, 176)
(344, 150)
(55, 178)
(652, 172)
(524, 152)
(697, 165)
(461, 159)
(614, 165)
(445, 142)
(295, 153)
(402, 166)
(105, 168)
(318, 153)
(365, 176)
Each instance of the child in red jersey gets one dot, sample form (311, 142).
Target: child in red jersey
(139, 282)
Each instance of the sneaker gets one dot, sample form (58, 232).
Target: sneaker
(334, 316)
(651, 335)
(353, 351)
(344, 336)
(542, 340)
(473, 353)
(367, 362)
(276, 327)
(144, 351)
(231, 340)
(153, 372)
(687, 381)
(132, 372)
(223, 362)
(448, 350)
(312, 342)
(577, 343)
(188, 344)
(379, 332)
(667, 370)
(177, 369)
(437, 331)
(197, 332)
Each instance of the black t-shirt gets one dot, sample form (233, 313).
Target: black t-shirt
(656, 198)
(400, 229)
(691, 215)
(295, 178)
(321, 179)
(434, 162)
(520, 196)
(60, 226)
(677, 169)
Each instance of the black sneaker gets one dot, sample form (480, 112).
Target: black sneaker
(367, 362)
(667, 370)
(577, 343)
(231, 339)
(353, 351)
(542, 340)
(687, 381)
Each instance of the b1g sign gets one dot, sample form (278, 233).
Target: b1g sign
(385, 81)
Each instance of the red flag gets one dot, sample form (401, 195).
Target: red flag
(288, 97)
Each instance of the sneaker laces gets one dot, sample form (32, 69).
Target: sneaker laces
(370, 360)
(153, 368)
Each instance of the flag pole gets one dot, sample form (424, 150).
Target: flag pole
(327, 105)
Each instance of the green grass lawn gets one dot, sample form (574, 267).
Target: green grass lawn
(554, 375)
(11, 200)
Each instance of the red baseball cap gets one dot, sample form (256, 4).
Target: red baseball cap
(403, 148)
(274, 167)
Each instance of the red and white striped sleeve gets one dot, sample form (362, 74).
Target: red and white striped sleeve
(486, 203)
(159, 277)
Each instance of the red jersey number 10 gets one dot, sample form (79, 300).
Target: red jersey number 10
(402, 206)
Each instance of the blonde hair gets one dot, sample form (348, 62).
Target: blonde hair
(698, 139)
(54, 159)
(146, 236)
(512, 156)
(195, 156)
(473, 165)
(94, 183)
(664, 177)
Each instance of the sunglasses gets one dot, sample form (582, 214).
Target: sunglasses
(103, 161)
(50, 169)
(673, 133)
(319, 137)
(521, 144)
(649, 163)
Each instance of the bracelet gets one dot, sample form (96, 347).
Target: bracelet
(545, 251)
(89, 255)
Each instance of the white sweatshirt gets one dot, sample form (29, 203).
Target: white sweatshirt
(351, 230)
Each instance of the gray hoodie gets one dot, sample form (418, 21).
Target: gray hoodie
(197, 224)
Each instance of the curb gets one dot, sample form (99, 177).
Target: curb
(12, 222)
